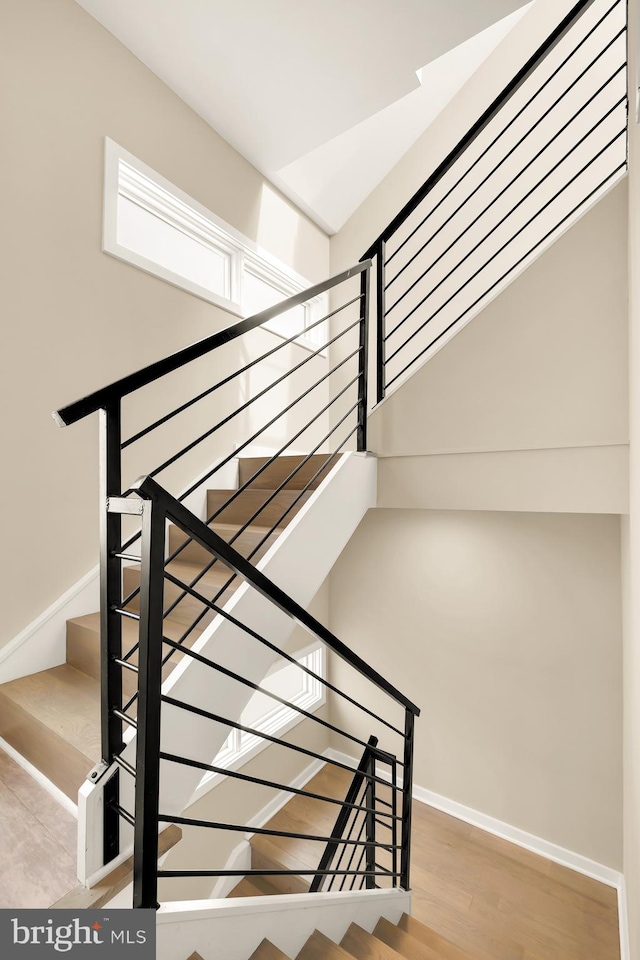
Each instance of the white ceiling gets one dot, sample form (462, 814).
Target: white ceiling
(279, 79)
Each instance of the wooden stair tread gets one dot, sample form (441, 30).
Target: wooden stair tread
(281, 468)
(406, 945)
(244, 542)
(319, 947)
(81, 898)
(251, 500)
(267, 951)
(419, 931)
(365, 946)
(63, 699)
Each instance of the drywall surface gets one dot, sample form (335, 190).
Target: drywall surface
(505, 628)
(543, 366)
(553, 480)
(76, 318)
(631, 529)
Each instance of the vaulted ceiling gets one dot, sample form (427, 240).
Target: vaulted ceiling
(285, 80)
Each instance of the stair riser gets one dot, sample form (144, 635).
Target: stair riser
(54, 757)
(83, 653)
(283, 884)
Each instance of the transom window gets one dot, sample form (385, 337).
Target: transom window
(152, 224)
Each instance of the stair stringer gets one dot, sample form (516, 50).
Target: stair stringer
(298, 562)
(233, 929)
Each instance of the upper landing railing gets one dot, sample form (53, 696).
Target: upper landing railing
(549, 145)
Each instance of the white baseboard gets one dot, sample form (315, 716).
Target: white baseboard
(43, 643)
(40, 779)
(528, 841)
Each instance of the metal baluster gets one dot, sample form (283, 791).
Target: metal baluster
(145, 851)
(110, 622)
(405, 853)
(370, 801)
(381, 252)
(363, 361)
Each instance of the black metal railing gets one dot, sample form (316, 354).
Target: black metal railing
(348, 859)
(551, 143)
(320, 407)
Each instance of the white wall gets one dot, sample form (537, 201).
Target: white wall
(75, 318)
(505, 628)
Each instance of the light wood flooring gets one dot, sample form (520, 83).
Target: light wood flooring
(500, 902)
(37, 841)
(490, 898)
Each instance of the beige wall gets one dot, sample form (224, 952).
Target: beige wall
(505, 629)
(543, 366)
(75, 318)
(631, 540)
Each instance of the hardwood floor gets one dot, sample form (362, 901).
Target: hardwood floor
(37, 841)
(486, 896)
(500, 902)
(489, 898)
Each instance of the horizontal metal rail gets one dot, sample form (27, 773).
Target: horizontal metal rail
(237, 373)
(513, 267)
(513, 120)
(232, 675)
(262, 782)
(265, 873)
(252, 731)
(483, 121)
(504, 219)
(107, 396)
(207, 538)
(504, 190)
(260, 831)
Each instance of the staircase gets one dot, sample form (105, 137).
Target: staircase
(346, 837)
(407, 939)
(53, 717)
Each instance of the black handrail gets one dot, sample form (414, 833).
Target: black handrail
(206, 537)
(107, 396)
(483, 121)
(156, 507)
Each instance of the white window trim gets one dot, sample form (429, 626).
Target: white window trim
(133, 179)
(278, 721)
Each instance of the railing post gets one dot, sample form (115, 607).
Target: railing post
(407, 785)
(363, 360)
(380, 320)
(370, 829)
(110, 621)
(145, 847)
